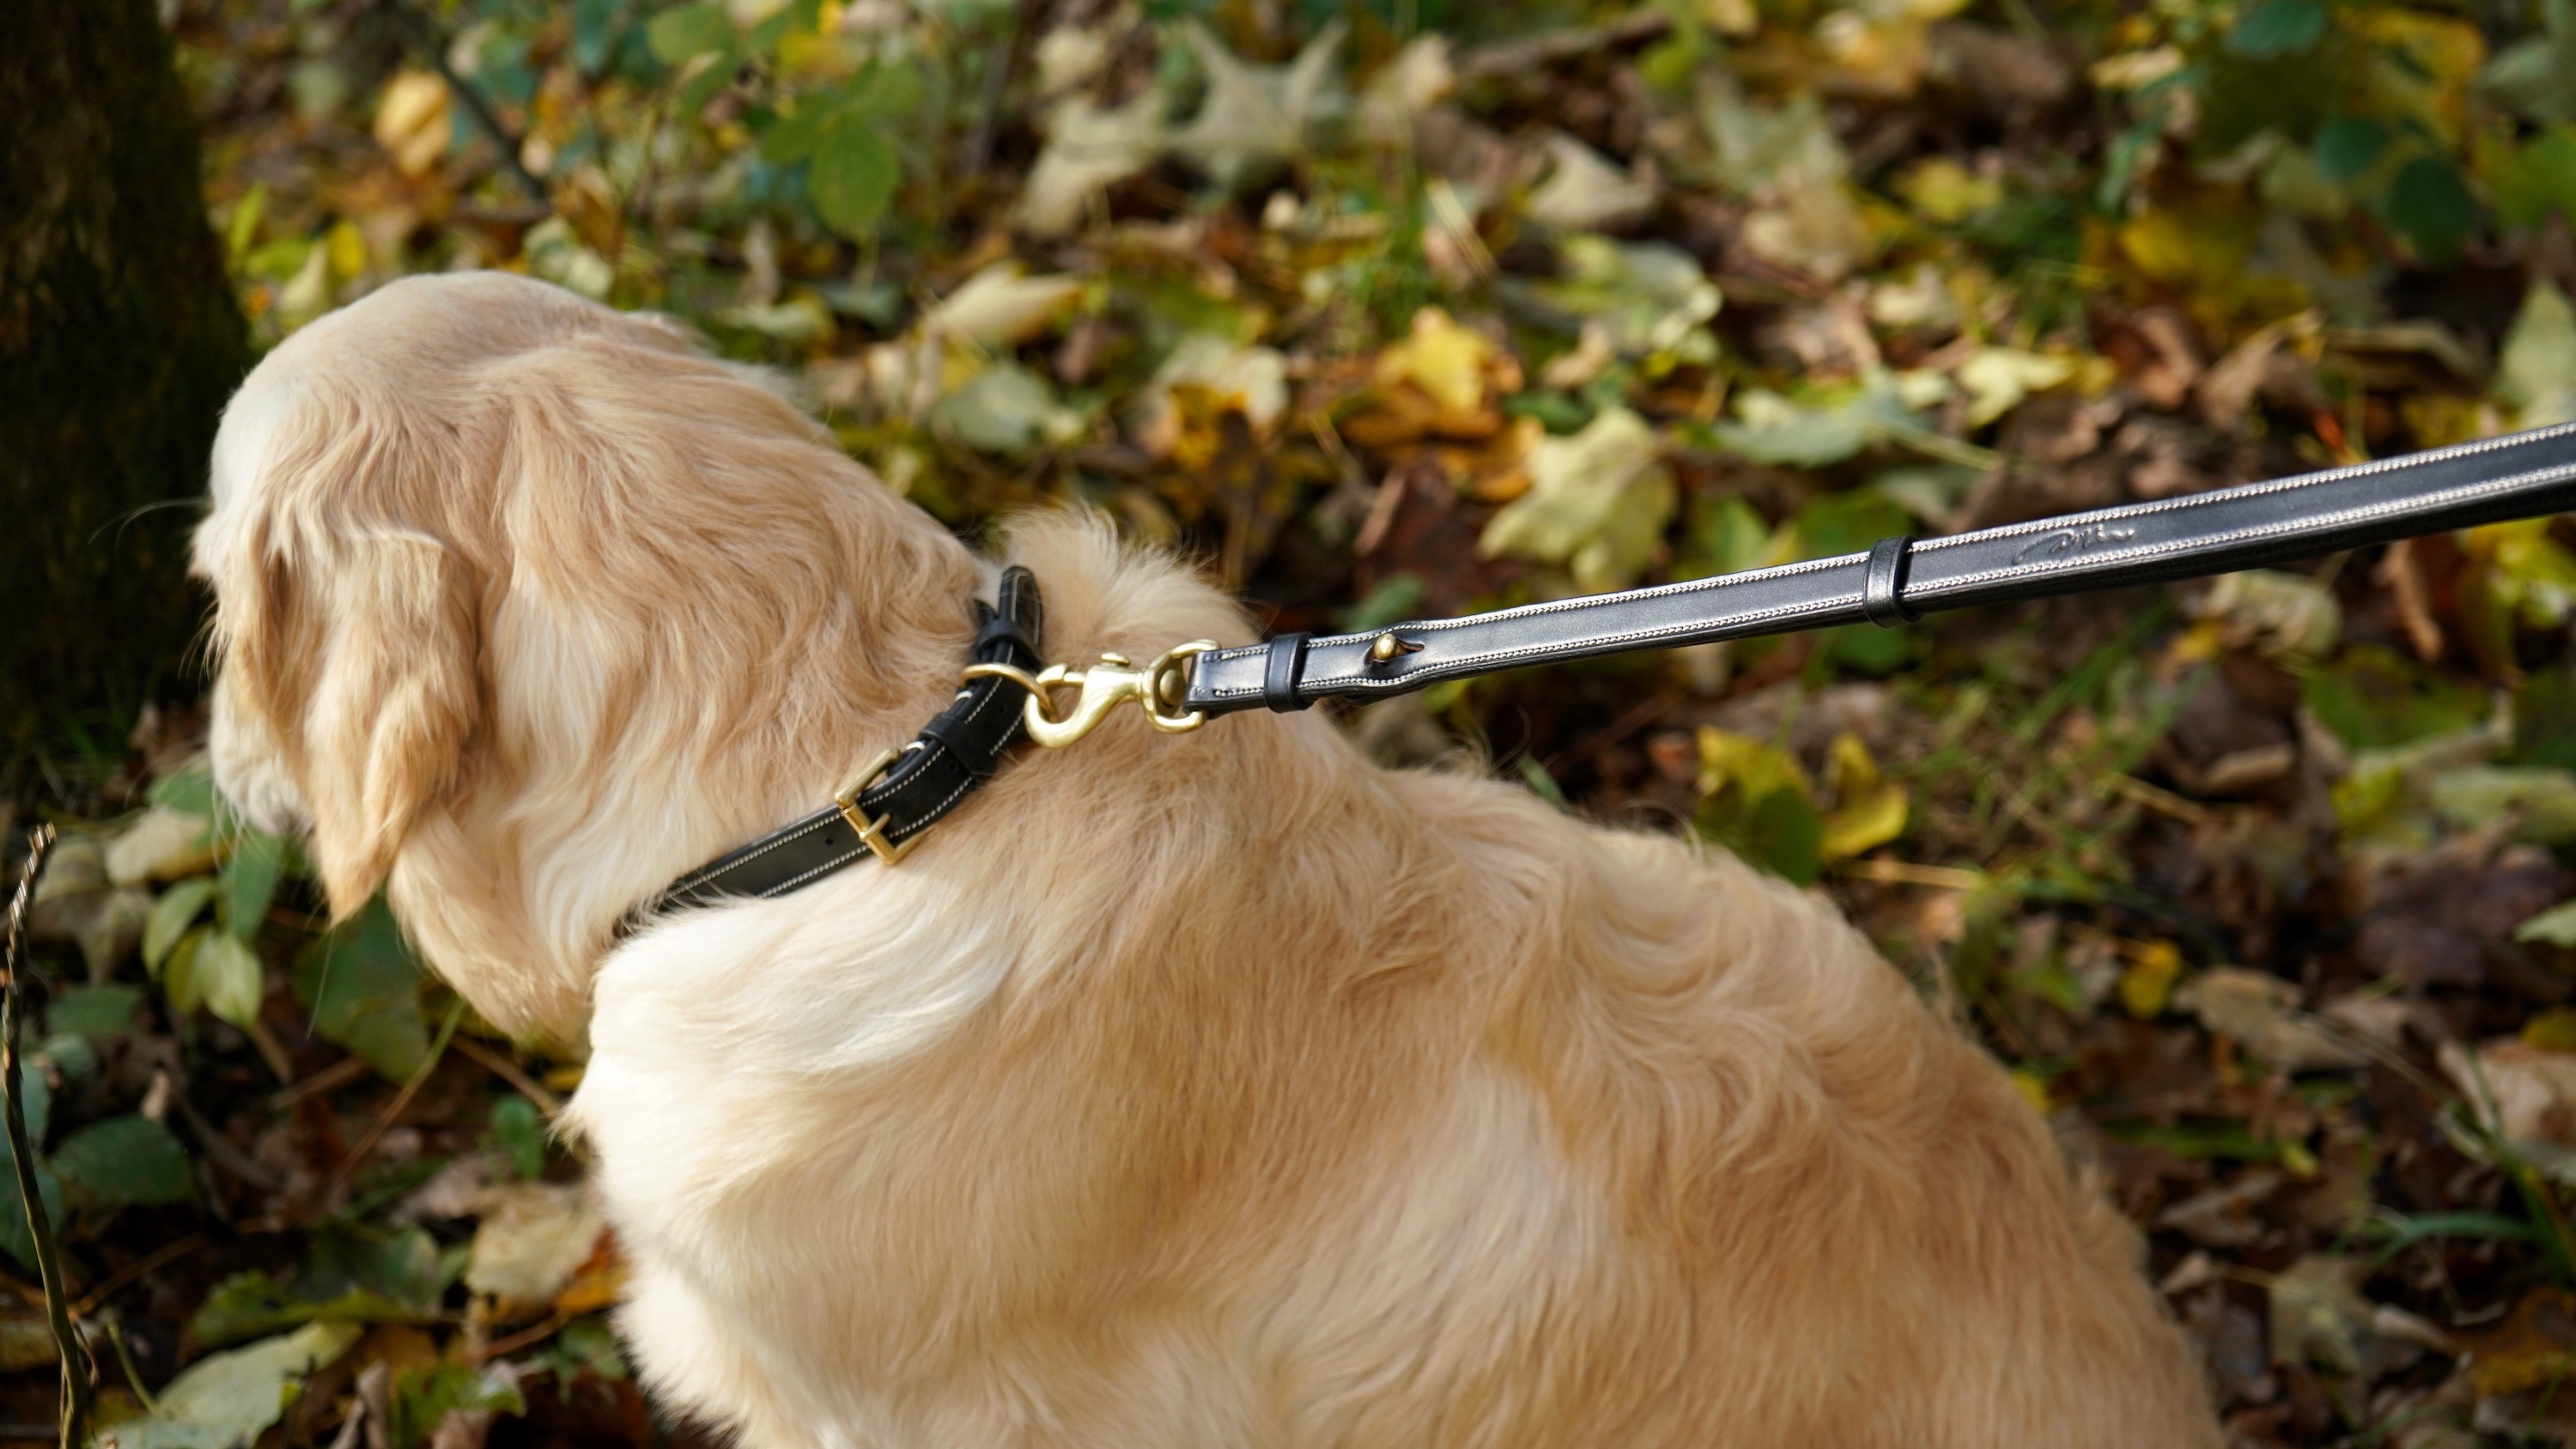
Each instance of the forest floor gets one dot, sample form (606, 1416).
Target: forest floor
(2260, 888)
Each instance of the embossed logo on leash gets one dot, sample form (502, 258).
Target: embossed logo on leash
(2083, 538)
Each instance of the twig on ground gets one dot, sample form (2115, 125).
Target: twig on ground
(124, 1277)
(508, 1071)
(419, 1079)
(330, 1079)
(79, 1370)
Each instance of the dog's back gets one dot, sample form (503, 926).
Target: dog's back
(1267, 1097)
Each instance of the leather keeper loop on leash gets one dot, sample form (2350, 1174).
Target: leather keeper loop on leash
(1279, 680)
(1883, 582)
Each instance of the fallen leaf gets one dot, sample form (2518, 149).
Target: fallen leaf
(2147, 984)
(2533, 1348)
(532, 1239)
(1419, 78)
(1245, 378)
(2536, 368)
(2555, 926)
(161, 844)
(2319, 1315)
(125, 1161)
(999, 307)
(226, 1400)
(1089, 149)
(1004, 408)
(2273, 613)
(1597, 503)
(2524, 1092)
(1998, 378)
(1649, 297)
(2261, 1014)
(1832, 426)
(412, 121)
(1257, 117)
(1584, 192)
(1869, 809)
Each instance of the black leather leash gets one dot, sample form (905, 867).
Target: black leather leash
(1902, 578)
(906, 791)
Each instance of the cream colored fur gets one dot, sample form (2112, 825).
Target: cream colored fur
(1213, 1090)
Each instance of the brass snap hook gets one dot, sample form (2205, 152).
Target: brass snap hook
(1161, 689)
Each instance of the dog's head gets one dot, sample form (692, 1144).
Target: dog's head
(524, 608)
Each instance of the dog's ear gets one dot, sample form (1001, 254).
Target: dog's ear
(362, 650)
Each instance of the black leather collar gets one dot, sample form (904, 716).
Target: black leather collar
(905, 791)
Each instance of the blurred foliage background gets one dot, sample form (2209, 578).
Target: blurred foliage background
(1404, 308)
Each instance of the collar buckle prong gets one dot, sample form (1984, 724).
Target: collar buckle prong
(872, 833)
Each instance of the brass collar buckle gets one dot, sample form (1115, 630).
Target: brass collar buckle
(872, 833)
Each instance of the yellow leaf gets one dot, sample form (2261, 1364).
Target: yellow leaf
(346, 246)
(1850, 769)
(2034, 1091)
(1998, 378)
(1727, 758)
(1449, 362)
(1597, 503)
(1864, 822)
(412, 121)
(1942, 190)
(2148, 983)
(2553, 1030)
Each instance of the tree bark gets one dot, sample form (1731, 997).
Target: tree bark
(119, 341)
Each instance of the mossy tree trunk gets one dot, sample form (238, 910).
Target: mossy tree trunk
(119, 341)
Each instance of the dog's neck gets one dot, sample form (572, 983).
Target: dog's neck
(610, 770)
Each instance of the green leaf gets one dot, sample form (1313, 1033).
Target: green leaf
(1759, 805)
(425, 1396)
(94, 1011)
(126, 1160)
(229, 978)
(2279, 27)
(2374, 698)
(171, 917)
(1723, 535)
(2347, 145)
(362, 985)
(884, 90)
(519, 1134)
(36, 1099)
(179, 974)
(1388, 602)
(686, 31)
(348, 1277)
(765, 36)
(2431, 204)
(1844, 523)
(2555, 926)
(15, 1239)
(2544, 720)
(2536, 180)
(793, 136)
(250, 877)
(191, 790)
(851, 178)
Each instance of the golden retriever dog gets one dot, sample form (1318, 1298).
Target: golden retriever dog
(1220, 1089)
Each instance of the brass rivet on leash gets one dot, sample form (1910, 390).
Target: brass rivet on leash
(1385, 648)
